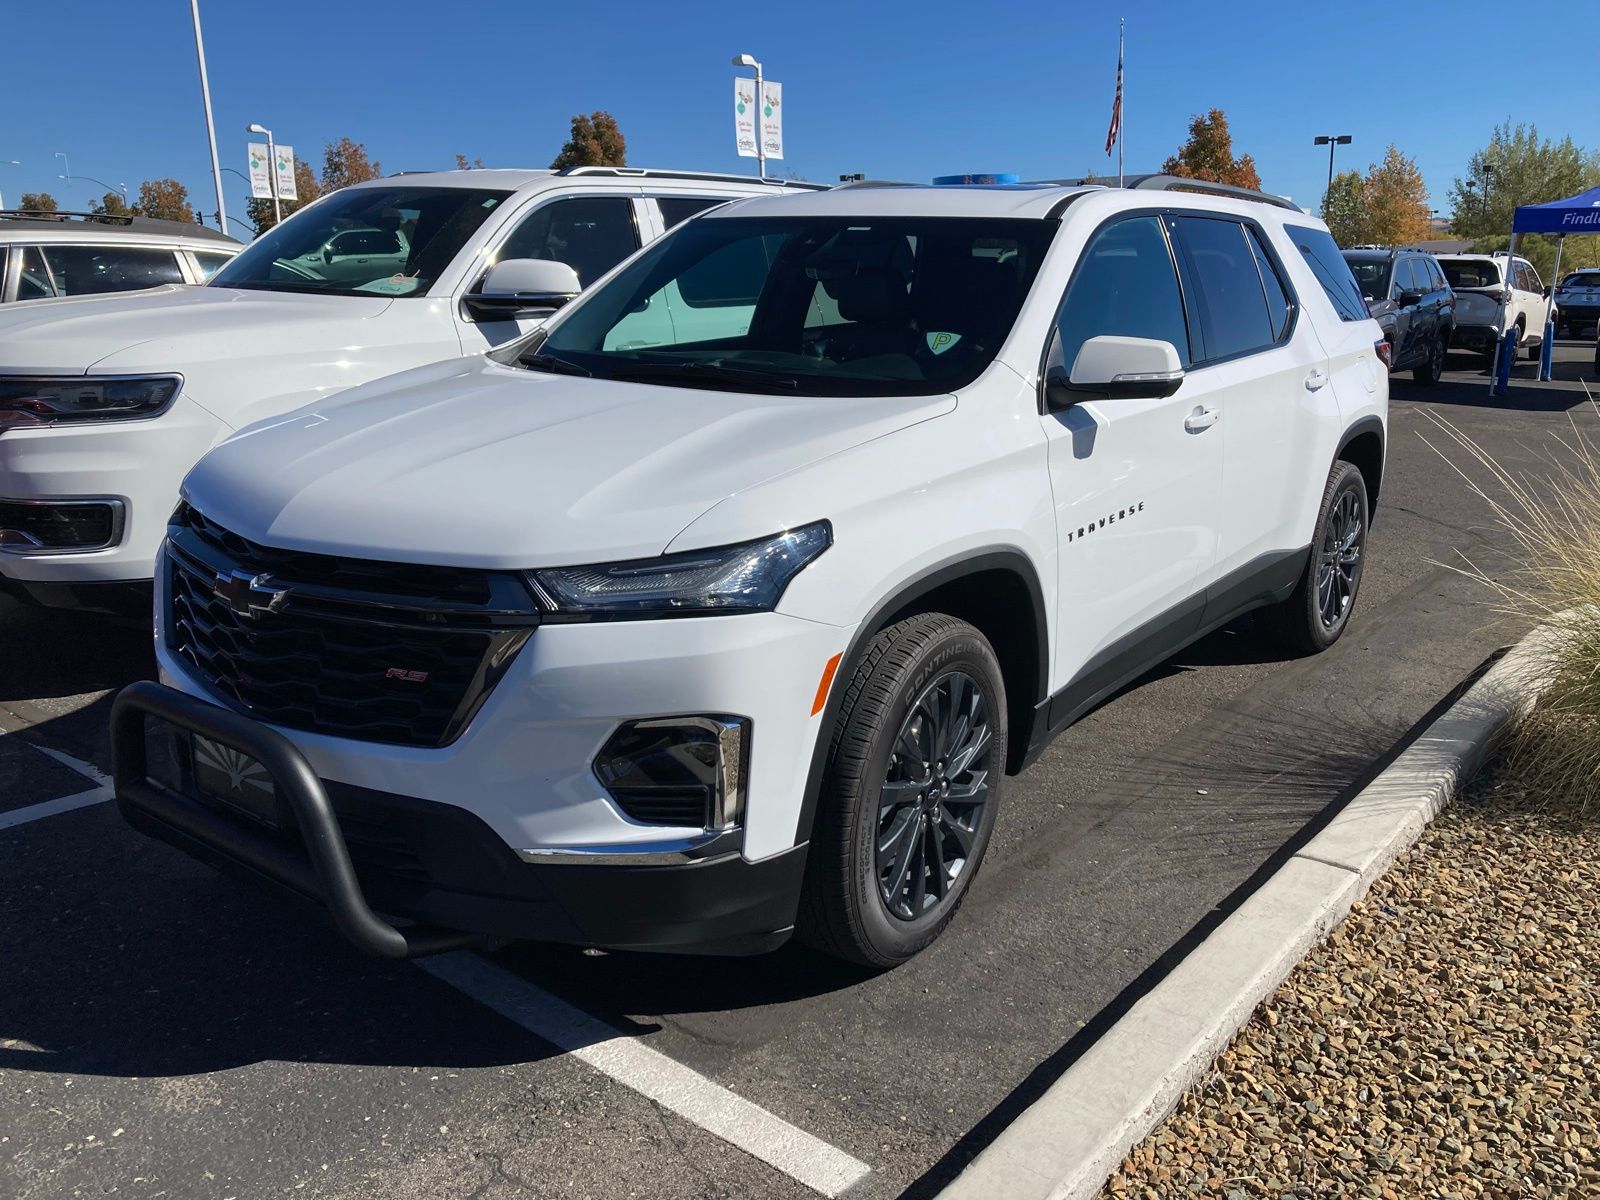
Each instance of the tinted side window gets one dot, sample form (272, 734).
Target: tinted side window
(86, 270)
(1317, 247)
(1278, 303)
(1435, 274)
(676, 209)
(1405, 277)
(209, 262)
(1228, 288)
(34, 282)
(591, 234)
(1125, 284)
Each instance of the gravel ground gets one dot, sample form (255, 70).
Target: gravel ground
(1442, 1043)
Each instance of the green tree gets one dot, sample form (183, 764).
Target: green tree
(345, 162)
(38, 201)
(1395, 201)
(1208, 155)
(259, 211)
(1517, 167)
(595, 142)
(166, 199)
(111, 205)
(1344, 209)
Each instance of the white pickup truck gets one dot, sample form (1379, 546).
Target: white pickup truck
(106, 402)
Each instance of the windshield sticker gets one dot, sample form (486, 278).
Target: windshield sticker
(395, 285)
(938, 343)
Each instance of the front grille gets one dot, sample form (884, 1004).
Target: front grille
(63, 525)
(377, 651)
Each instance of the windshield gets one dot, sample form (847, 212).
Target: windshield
(1582, 279)
(824, 306)
(1372, 276)
(1471, 272)
(372, 241)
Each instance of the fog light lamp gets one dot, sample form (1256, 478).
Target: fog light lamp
(686, 771)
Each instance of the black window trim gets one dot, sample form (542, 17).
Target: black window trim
(1061, 304)
(1276, 262)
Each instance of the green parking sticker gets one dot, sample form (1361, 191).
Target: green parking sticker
(938, 343)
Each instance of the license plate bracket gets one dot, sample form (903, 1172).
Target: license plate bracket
(233, 778)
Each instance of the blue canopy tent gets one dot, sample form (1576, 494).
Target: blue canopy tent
(1575, 214)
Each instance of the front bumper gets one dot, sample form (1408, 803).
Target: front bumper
(358, 853)
(137, 464)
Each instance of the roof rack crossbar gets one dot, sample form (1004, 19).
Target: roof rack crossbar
(709, 176)
(52, 214)
(875, 183)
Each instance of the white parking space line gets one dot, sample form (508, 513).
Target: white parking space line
(87, 770)
(799, 1155)
(50, 808)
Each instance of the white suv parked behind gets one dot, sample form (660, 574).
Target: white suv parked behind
(105, 403)
(683, 644)
(1489, 304)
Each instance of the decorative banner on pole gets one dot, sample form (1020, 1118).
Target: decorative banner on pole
(744, 116)
(260, 172)
(772, 119)
(285, 169)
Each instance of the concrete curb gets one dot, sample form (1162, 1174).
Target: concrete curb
(1066, 1144)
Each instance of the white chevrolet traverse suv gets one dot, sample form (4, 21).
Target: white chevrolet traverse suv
(105, 402)
(689, 643)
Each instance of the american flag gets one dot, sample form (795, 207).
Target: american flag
(1116, 106)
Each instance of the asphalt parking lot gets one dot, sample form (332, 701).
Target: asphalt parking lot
(168, 1032)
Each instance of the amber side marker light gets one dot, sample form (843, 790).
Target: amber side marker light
(825, 683)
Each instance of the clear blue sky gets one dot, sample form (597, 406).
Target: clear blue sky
(898, 90)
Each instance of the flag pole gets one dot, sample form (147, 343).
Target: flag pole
(1123, 113)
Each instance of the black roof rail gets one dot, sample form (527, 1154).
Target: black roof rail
(1175, 183)
(120, 223)
(876, 183)
(708, 176)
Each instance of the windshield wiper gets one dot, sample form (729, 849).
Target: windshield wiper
(703, 371)
(556, 366)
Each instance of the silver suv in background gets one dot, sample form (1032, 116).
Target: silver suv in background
(1578, 301)
(44, 255)
(1496, 295)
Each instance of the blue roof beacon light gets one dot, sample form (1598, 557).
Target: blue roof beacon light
(976, 179)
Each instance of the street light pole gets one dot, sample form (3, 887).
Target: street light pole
(211, 129)
(272, 169)
(121, 187)
(1488, 178)
(1330, 140)
(746, 60)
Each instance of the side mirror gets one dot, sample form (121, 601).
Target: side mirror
(1407, 299)
(1119, 368)
(523, 287)
(1548, 291)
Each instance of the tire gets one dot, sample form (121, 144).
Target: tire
(1533, 349)
(1301, 620)
(875, 786)
(1431, 369)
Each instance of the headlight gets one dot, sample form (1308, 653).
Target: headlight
(749, 577)
(29, 401)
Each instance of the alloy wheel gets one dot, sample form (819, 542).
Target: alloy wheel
(930, 807)
(1339, 559)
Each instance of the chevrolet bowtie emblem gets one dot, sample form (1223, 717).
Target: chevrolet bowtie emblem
(248, 595)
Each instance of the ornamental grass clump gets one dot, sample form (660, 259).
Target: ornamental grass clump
(1553, 519)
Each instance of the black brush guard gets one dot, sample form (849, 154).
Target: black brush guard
(323, 874)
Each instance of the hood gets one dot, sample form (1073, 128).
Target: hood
(153, 330)
(471, 463)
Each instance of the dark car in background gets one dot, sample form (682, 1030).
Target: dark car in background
(1406, 293)
(1578, 301)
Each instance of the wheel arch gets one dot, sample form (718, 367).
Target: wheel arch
(1362, 446)
(990, 589)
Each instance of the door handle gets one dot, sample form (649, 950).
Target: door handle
(1316, 381)
(1200, 419)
